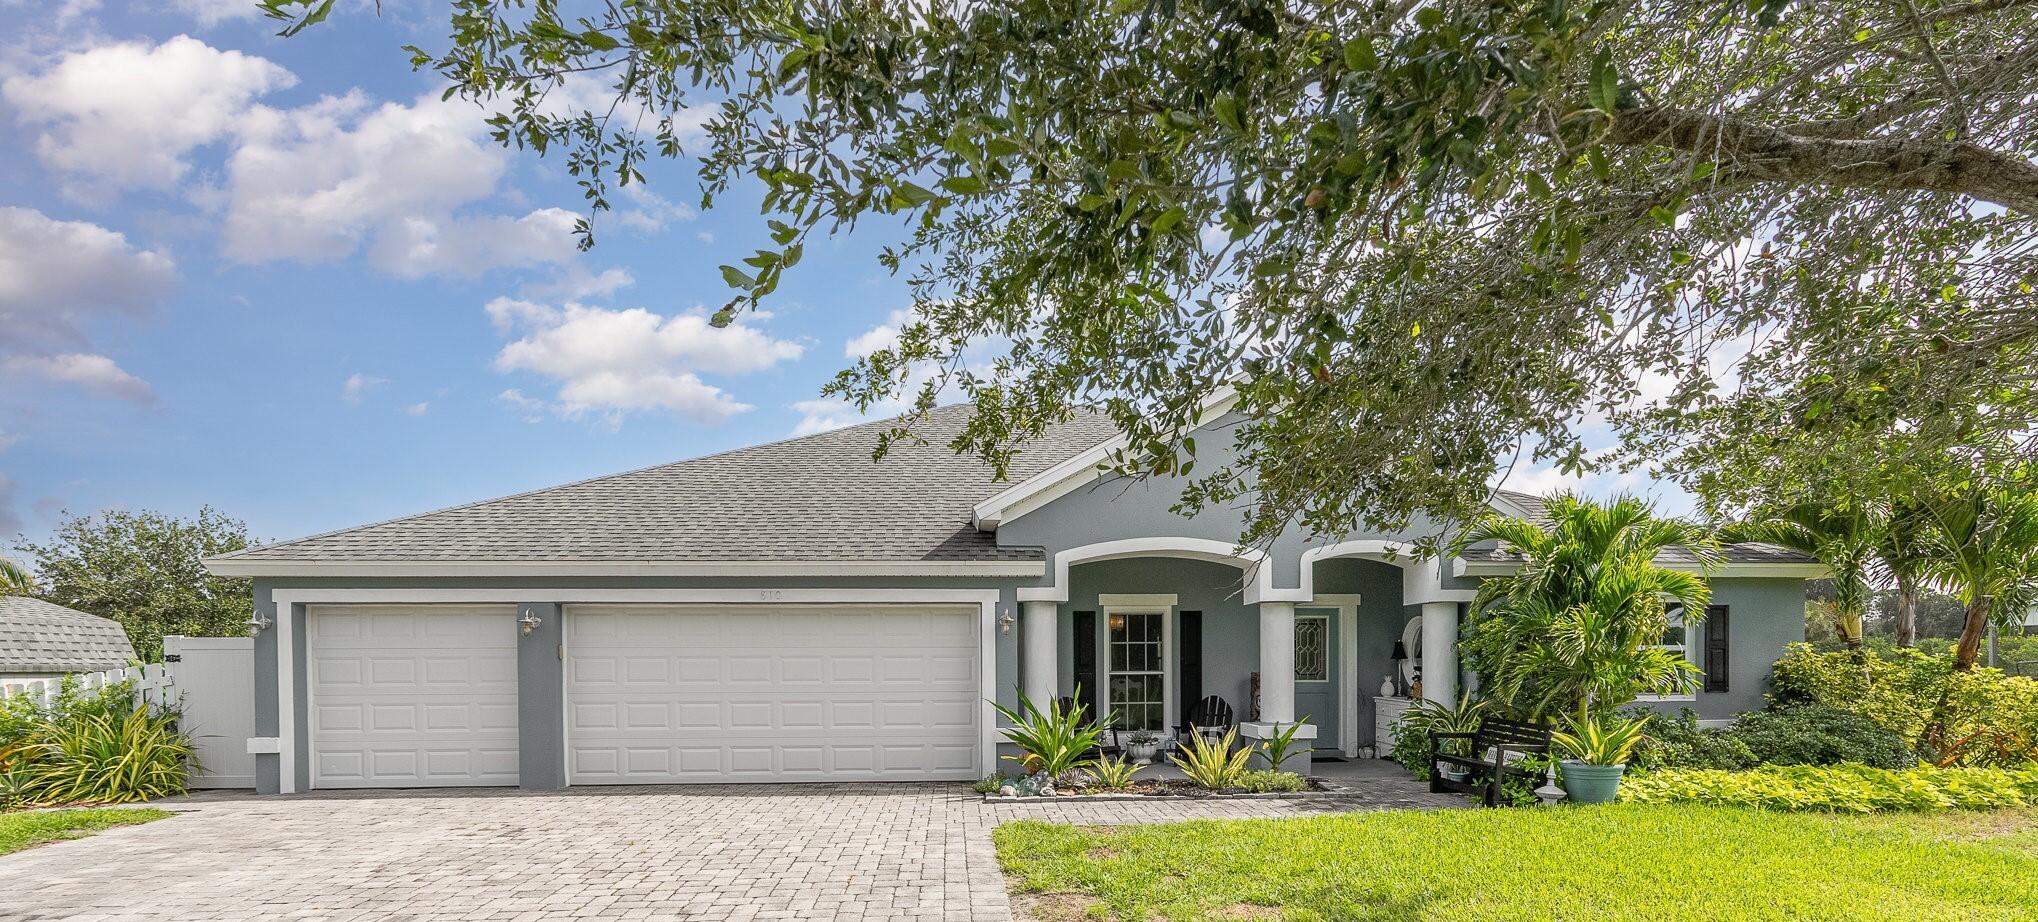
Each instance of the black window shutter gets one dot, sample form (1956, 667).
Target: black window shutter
(1716, 648)
(1086, 661)
(1190, 681)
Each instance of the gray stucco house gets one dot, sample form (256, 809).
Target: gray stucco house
(41, 640)
(795, 612)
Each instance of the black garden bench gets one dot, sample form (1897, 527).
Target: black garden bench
(1488, 765)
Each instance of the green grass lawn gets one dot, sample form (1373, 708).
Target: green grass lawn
(21, 830)
(1623, 862)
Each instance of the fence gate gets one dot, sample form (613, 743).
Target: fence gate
(215, 683)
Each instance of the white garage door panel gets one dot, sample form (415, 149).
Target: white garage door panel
(410, 696)
(661, 694)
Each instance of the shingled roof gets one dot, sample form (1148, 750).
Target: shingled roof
(815, 498)
(1535, 508)
(37, 637)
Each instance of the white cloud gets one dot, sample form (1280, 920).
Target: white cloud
(532, 408)
(357, 385)
(54, 274)
(213, 12)
(418, 409)
(821, 415)
(95, 373)
(653, 211)
(313, 183)
(883, 336)
(466, 247)
(618, 361)
(574, 283)
(126, 114)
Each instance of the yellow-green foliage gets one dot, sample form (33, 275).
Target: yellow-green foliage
(1212, 766)
(1981, 717)
(91, 748)
(1269, 782)
(1837, 788)
(1112, 774)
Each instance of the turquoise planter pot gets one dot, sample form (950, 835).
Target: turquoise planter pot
(1591, 784)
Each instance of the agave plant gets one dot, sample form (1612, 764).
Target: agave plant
(1428, 717)
(1608, 741)
(1051, 742)
(101, 758)
(1280, 747)
(1112, 774)
(1212, 766)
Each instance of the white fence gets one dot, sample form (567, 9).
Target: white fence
(152, 684)
(211, 679)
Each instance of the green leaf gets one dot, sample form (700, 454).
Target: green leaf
(792, 255)
(1359, 54)
(1092, 202)
(737, 278)
(1605, 82)
(599, 41)
(1168, 220)
(963, 185)
(1226, 108)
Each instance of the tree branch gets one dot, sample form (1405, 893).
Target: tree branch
(1779, 155)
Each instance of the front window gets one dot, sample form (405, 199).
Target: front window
(1676, 639)
(1137, 683)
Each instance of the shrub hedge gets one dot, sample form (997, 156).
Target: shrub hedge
(1837, 788)
(1978, 718)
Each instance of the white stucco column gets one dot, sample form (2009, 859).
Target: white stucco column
(1277, 662)
(1038, 627)
(1440, 652)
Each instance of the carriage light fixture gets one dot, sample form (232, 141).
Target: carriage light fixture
(258, 622)
(530, 621)
(1005, 621)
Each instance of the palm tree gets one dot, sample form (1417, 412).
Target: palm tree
(1845, 536)
(1575, 630)
(1981, 545)
(15, 578)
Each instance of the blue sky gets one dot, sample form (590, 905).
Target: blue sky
(280, 277)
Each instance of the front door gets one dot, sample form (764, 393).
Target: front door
(1316, 675)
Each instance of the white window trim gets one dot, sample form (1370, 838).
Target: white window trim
(1330, 658)
(1139, 604)
(1685, 648)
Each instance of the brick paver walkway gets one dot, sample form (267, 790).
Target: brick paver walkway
(809, 852)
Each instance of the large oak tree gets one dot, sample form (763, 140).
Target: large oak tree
(1417, 237)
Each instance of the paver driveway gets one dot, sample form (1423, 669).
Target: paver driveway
(712, 853)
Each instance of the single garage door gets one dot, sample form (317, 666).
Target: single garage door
(412, 695)
(662, 694)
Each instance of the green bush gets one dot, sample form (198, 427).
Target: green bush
(1814, 734)
(1267, 782)
(1837, 788)
(1977, 718)
(1678, 742)
(96, 747)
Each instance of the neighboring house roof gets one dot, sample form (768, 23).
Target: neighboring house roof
(1534, 508)
(38, 637)
(815, 498)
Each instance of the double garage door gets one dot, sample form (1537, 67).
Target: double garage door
(407, 696)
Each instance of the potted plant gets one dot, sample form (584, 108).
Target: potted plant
(1599, 751)
(1141, 746)
(1431, 717)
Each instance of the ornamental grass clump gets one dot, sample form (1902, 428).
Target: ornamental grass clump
(1053, 742)
(98, 747)
(1212, 766)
